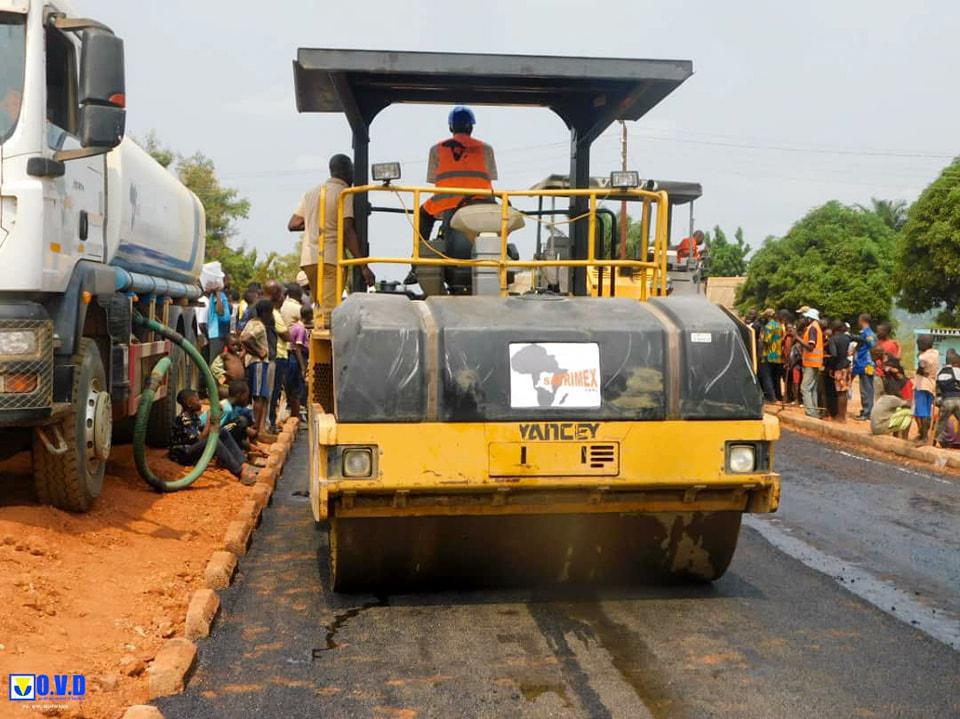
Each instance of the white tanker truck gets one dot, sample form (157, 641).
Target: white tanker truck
(92, 229)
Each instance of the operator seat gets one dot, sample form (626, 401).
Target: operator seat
(473, 220)
(480, 224)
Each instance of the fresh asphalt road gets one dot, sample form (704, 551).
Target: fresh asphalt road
(846, 603)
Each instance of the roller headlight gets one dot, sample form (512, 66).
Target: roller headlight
(18, 342)
(386, 171)
(358, 462)
(741, 458)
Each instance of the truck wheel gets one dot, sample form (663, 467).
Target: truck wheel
(73, 480)
(164, 411)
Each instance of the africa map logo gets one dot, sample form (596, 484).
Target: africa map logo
(555, 375)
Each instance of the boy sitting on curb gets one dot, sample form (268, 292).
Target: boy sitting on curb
(190, 430)
(237, 418)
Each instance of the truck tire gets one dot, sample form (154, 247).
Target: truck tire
(164, 411)
(73, 480)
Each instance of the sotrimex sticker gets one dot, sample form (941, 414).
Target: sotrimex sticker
(555, 375)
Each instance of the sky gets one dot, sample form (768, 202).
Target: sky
(790, 104)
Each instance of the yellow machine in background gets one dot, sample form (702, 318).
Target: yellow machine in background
(472, 436)
(628, 282)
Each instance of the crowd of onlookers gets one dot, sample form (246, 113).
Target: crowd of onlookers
(814, 361)
(256, 345)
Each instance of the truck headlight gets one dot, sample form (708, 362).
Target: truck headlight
(741, 458)
(18, 342)
(358, 462)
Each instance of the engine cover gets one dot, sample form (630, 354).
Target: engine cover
(535, 357)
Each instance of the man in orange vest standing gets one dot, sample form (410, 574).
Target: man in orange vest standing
(812, 354)
(460, 161)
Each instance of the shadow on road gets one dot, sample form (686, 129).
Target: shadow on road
(443, 592)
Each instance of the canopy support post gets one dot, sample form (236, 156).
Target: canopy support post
(579, 229)
(359, 120)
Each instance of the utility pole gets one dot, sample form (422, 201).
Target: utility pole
(623, 203)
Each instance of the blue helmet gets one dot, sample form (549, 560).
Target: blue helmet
(461, 116)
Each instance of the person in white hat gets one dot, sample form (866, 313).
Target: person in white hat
(214, 319)
(811, 344)
(304, 283)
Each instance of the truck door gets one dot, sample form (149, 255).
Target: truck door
(74, 205)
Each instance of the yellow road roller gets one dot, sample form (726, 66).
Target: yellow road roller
(466, 432)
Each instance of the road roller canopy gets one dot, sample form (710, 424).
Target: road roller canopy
(588, 93)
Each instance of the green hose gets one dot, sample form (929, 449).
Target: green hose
(146, 402)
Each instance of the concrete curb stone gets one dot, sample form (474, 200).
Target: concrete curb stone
(220, 570)
(237, 537)
(203, 609)
(268, 478)
(261, 494)
(171, 667)
(142, 711)
(249, 509)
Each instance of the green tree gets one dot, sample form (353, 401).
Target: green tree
(892, 212)
(283, 267)
(725, 258)
(604, 227)
(163, 155)
(223, 205)
(928, 256)
(837, 259)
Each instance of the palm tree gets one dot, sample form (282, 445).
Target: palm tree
(893, 213)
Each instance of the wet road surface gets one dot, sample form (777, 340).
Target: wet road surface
(798, 627)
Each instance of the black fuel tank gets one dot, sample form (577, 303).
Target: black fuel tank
(469, 359)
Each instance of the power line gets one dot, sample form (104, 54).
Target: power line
(805, 150)
(759, 140)
(516, 165)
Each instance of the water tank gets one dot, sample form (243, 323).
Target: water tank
(155, 225)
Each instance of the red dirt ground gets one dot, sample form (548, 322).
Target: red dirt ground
(97, 593)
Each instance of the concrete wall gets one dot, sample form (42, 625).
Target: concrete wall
(723, 290)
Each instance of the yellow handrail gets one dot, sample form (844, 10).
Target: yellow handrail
(657, 268)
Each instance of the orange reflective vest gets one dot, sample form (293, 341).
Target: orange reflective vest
(814, 357)
(461, 161)
(687, 247)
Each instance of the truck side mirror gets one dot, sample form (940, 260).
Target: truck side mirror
(101, 126)
(102, 90)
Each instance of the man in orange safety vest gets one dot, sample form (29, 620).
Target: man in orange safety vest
(459, 161)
